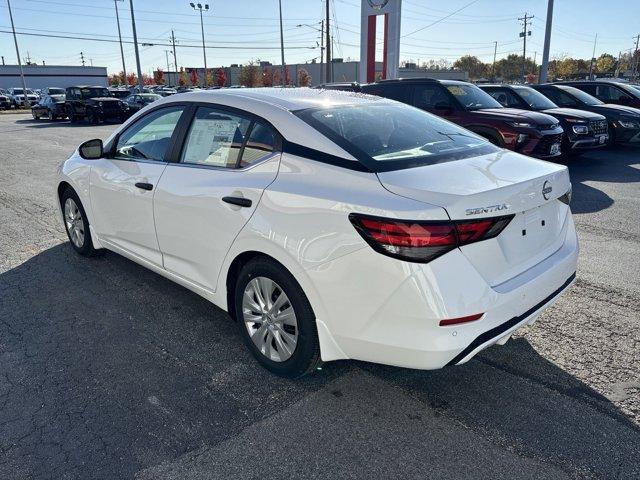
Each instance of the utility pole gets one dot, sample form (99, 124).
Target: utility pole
(321, 50)
(15, 40)
(82, 58)
(199, 7)
(173, 43)
(593, 55)
(636, 54)
(493, 66)
(135, 46)
(328, 43)
(526, 20)
(124, 68)
(544, 69)
(282, 67)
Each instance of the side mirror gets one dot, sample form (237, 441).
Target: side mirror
(91, 149)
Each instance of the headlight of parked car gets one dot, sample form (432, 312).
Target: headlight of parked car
(580, 129)
(629, 123)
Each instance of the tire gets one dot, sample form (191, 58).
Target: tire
(93, 118)
(288, 345)
(50, 116)
(35, 117)
(76, 223)
(72, 116)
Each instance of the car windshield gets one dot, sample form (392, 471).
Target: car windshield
(535, 99)
(18, 91)
(56, 91)
(472, 98)
(390, 136)
(149, 97)
(580, 95)
(630, 89)
(94, 92)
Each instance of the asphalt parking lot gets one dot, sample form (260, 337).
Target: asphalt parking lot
(109, 371)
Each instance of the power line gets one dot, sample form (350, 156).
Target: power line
(216, 47)
(440, 19)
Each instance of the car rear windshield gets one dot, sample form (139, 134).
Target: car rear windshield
(580, 95)
(94, 92)
(56, 91)
(472, 98)
(536, 100)
(391, 136)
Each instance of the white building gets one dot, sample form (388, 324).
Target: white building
(41, 76)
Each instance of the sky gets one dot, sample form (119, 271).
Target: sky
(245, 30)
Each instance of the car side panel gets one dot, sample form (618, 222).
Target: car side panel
(302, 222)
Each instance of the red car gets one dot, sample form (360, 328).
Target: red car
(531, 133)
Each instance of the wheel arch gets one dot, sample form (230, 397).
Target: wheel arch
(491, 134)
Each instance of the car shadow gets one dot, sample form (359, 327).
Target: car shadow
(33, 123)
(610, 165)
(106, 359)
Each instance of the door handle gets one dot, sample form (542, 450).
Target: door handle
(144, 186)
(240, 201)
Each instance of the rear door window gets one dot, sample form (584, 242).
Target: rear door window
(429, 95)
(261, 142)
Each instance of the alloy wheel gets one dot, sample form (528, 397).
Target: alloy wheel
(270, 319)
(74, 222)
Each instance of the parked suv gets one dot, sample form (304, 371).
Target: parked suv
(582, 130)
(624, 122)
(18, 97)
(95, 104)
(5, 100)
(530, 133)
(609, 92)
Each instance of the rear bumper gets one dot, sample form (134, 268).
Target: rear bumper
(390, 311)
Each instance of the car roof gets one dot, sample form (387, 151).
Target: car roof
(291, 99)
(422, 80)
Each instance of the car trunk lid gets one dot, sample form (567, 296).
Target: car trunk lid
(503, 183)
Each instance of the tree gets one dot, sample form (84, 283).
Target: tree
(221, 77)
(277, 77)
(115, 80)
(304, 79)
(471, 64)
(250, 76)
(566, 67)
(267, 77)
(158, 77)
(193, 77)
(605, 63)
(208, 78)
(132, 80)
(287, 75)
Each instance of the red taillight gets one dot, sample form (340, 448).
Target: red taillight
(456, 321)
(420, 241)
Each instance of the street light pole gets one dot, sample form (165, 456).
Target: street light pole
(199, 7)
(282, 68)
(124, 68)
(135, 46)
(15, 40)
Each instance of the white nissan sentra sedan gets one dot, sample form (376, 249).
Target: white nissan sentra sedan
(330, 225)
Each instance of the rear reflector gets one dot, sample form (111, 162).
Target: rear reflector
(422, 241)
(456, 321)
